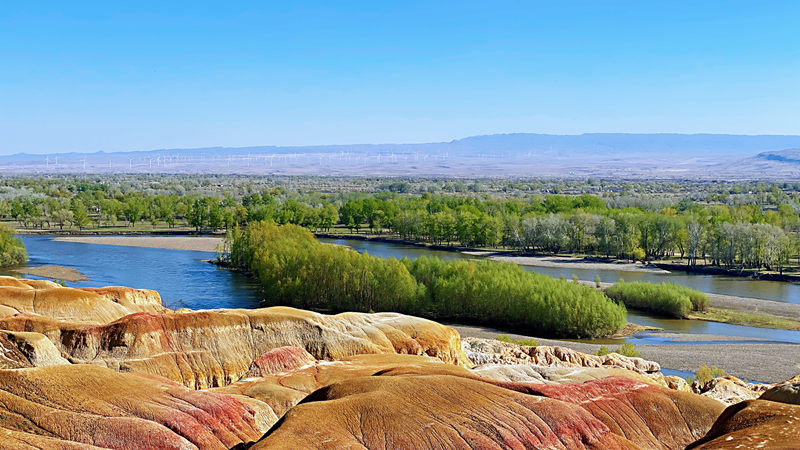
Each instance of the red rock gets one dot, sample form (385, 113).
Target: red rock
(648, 415)
(214, 348)
(435, 411)
(279, 360)
(85, 404)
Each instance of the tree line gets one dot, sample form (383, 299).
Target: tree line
(746, 231)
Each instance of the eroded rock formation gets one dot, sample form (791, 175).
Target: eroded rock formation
(215, 348)
(111, 367)
(48, 407)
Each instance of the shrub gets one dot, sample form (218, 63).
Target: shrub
(699, 299)
(627, 349)
(705, 374)
(602, 351)
(658, 298)
(12, 250)
(502, 293)
(597, 281)
(503, 338)
(294, 269)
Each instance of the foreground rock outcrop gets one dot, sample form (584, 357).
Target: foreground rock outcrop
(85, 305)
(57, 406)
(772, 421)
(215, 348)
(438, 411)
(113, 368)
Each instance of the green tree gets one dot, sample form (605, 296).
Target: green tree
(12, 250)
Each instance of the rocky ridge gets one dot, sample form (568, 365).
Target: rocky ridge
(112, 367)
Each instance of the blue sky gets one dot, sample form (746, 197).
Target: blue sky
(89, 76)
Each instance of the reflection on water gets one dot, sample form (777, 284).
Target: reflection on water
(180, 276)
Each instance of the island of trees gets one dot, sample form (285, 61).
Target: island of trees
(293, 268)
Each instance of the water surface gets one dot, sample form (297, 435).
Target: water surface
(181, 276)
(184, 280)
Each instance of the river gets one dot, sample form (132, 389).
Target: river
(180, 276)
(738, 286)
(184, 280)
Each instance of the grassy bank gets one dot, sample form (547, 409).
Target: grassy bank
(745, 318)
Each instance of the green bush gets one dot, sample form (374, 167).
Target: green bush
(294, 269)
(12, 250)
(506, 338)
(627, 349)
(602, 351)
(705, 374)
(503, 338)
(666, 299)
(699, 299)
(502, 293)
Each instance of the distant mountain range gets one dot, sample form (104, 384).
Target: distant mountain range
(610, 155)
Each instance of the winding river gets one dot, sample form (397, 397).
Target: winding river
(184, 280)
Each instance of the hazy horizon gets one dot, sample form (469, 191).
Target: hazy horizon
(377, 144)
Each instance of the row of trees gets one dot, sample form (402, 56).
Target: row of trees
(201, 212)
(744, 236)
(293, 268)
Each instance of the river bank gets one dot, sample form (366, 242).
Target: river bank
(744, 311)
(770, 363)
(567, 262)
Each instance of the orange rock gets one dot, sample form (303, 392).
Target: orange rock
(215, 348)
(95, 306)
(435, 411)
(648, 415)
(27, 284)
(84, 404)
(754, 424)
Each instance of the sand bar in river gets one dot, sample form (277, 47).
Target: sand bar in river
(54, 272)
(576, 263)
(200, 244)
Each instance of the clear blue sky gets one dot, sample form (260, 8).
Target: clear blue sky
(89, 76)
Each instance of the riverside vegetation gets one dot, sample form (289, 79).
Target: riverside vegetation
(666, 298)
(744, 226)
(293, 268)
(12, 250)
